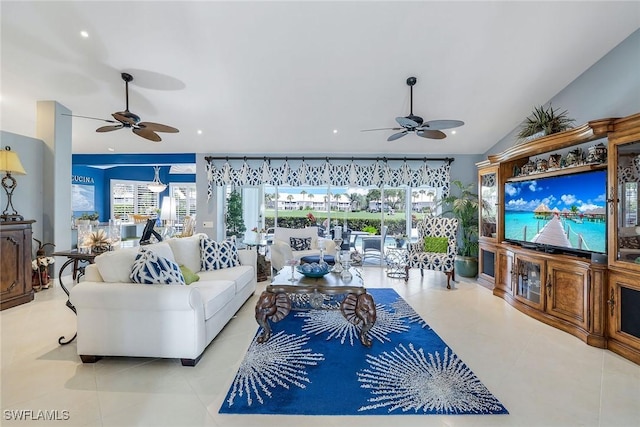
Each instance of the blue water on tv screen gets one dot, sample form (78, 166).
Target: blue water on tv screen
(566, 211)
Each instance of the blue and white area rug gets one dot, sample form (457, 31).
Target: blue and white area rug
(314, 364)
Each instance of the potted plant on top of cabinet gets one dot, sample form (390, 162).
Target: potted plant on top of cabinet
(544, 121)
(463, 205)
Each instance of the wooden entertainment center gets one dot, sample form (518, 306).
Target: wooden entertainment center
(589, 294)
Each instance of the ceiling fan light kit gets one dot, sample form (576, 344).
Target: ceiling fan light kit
(127, 119)
(431, 129)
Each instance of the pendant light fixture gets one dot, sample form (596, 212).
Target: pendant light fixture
(157, 186)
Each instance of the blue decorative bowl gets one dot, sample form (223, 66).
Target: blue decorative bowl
(314, 270)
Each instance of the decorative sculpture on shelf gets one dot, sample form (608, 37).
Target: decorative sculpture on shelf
(40, 278)
(337, 266)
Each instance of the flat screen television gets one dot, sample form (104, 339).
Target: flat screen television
(563, 213)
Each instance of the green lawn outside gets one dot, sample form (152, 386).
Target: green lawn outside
(356, 220)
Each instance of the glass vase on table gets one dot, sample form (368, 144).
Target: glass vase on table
(292, 263)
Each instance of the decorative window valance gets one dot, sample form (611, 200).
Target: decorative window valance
(337, 172)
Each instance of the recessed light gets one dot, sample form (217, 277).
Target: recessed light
(84, 34)
(453, 132)
(111, 149)
(335, 131)
(199, 132)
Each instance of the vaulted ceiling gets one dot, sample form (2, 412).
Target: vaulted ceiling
(265, 77)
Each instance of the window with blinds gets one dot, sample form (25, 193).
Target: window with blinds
(132, 197)
(184, 196)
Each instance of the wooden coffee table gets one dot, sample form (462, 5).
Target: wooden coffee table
(305, 293)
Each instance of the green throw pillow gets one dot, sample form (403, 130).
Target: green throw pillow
(432, 244)
(189, 276)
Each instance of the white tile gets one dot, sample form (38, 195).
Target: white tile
(544, 377)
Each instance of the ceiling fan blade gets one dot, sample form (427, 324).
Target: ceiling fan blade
(369, 130)
(148, 134)
(126, 117)
(442, 124)
(397, 136)
(92, 118)
(407, 123)
(431, 134)
(109, 128)
(157, 127)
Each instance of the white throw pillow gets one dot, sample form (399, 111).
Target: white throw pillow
(186, 250)
(115, 266)
(162, 249)
(217, 255)
(151, 269)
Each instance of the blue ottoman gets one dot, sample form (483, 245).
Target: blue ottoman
(316, 258)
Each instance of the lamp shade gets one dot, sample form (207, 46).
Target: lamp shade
(168, 209)
(10, 162)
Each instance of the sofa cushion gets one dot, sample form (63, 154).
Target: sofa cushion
(151, 269)
(240, 275)
(300, 243)
(436, 244)
(186, 250)
(217, 255)
(215, 295)
(115, 266)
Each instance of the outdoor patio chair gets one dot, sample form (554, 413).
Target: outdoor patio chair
(373, 246)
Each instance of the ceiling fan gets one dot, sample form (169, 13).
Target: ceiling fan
(431, 129)
(127, 119)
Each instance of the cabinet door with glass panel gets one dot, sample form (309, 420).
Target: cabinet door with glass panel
(624, 197)
(528, 280)
(488, 180)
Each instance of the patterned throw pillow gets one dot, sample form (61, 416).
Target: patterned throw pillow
(151, 269)
(218, 255)
(436, 244)
(300, 243)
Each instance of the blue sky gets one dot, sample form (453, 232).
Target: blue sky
(587, 191)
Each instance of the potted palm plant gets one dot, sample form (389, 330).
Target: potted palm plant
(544, 121)
(462, 204)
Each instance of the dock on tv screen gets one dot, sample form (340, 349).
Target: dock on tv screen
(567, 211)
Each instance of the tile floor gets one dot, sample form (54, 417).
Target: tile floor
(543, 376)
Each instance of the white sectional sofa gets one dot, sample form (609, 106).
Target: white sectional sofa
(281, 248)
(119, 318)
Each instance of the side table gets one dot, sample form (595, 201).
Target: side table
(396, 259)
(261, 268)
(76, 258)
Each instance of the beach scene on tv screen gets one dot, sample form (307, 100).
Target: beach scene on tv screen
(563, 211)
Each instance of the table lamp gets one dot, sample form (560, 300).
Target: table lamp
(10, 163)
(167, 215)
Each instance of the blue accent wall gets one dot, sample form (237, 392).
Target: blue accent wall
(102, 168)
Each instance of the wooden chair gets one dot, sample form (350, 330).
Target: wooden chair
(438, 261)
(140, 219)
